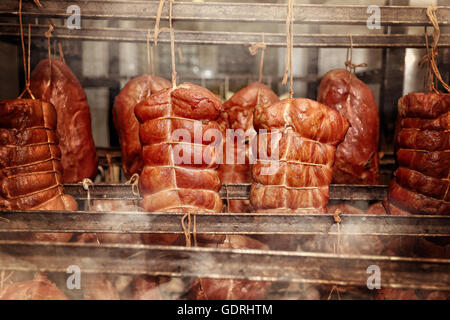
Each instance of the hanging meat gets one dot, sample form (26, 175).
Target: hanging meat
(231, 289)
(357, 160)
(421, 184)
(40, 288)
(125, 121)
(57, 85)
(181, 151)
(238, 115)
(295, 156)
(30, 161)
(180, 174)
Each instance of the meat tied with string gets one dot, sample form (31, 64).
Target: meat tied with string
(125, 121)
(357, 159)
(231, 289)
(179, 173)
(421, 183)
(60, 87)
(238, 115)
(192, 184)
(295, 179)
(30, 161)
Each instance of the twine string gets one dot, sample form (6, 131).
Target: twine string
(26, 69)
(349, 65)
(158, 19)
(87, 183)
(289, 48)
(48, 35)
(336, 248)
(432, 73)
(3, 280)
(172, 45)
(254, 48)
(61, 53)
(134, 181)
(150, 63)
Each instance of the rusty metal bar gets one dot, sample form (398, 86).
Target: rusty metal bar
(257, 265)
(224, 223)
(231, 38)
(227, 12)
(232, 191)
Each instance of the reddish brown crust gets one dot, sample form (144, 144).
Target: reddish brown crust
(127, 126)
(238, 114)
(302, 172)
(416, 203)
(178, 187)
(64, 91)
(357, 159)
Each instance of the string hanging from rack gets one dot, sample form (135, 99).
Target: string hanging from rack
(349, 65)
(61, 53)
(157, 30)
(289, 48)
(336, 248)
(150, 62)
(26, 69)
(87, 183)
(432, 74)
(254, 48)
(48, 35)
(186, 229)
(172, 45)
(134, 182)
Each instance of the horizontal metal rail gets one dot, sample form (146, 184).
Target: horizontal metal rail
(227, 12)
(246, 264)
(229, 191)
(223, 223)
(230, 38)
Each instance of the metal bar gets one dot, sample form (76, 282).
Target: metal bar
(224, 223)
(228, 12)
(230, 191)
(246, 264)
(231, 38)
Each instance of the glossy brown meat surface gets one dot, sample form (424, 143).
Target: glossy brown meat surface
(421, 183)
(30, 166)
(180, 175)
(357, 159)
(125, 121)
(62, 89)
(223, 289)
(302, 171)
(238, 115)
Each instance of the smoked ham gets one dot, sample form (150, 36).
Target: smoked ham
(30, 162)
(238, 115)
(125, 121)
(357, 160)
(421, 183)
(60, 87)
(294, 173)
(180, 173)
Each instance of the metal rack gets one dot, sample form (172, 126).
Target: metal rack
(265, 265)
